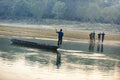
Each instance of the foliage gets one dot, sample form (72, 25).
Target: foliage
(102, 11)
(59, 9)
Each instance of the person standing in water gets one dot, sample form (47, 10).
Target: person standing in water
(93, 35)
(60, 36)
(99, 37)
(91, 38)
(103, 35)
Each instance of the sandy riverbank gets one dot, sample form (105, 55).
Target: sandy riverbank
(7, 31)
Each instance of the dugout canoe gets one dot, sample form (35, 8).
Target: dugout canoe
(33, 44)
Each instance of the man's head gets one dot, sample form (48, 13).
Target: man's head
(60, 29)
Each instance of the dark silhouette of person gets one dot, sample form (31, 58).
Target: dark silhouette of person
(93, 35)
(99, 37)
(90, 35)
(58, 60)
(103, 35)
(60, 36)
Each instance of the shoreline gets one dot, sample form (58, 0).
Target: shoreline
(73, 35)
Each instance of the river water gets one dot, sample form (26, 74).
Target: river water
(73, 61)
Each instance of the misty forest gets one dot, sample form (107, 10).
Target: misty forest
(99, 11)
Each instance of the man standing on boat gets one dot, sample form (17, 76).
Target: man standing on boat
(60, 36)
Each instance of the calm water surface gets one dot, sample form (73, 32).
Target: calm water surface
(73, 61)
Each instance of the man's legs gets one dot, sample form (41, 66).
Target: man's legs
(59, 42)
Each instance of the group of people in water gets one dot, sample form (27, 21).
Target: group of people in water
(100, 36)
(91, 35)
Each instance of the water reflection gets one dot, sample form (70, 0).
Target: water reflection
(91, 46)
(43, 60)
(58, 60)
(41, 65)
(99, 47)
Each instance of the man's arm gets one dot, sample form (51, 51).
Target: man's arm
(56, 31)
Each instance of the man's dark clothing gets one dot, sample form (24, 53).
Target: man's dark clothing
(103, 35)
(60, 35)
(99, 37)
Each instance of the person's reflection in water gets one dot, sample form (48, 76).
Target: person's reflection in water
(100, 47)
(91, 46)
(58, 60)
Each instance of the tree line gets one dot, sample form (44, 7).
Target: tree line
(102, 11)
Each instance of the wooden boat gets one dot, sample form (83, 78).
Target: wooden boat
(33, 44)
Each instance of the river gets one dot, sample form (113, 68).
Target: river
(72, 61)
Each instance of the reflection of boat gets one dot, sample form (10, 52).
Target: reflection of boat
(33, 44)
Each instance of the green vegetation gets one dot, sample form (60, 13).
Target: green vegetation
(102, 11)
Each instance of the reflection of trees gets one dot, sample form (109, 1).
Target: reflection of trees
(90, 64)
(8, 56)
(106, 65)
(70, 61)
(13, 52)
(38, 58)
(44, 59)
(113, 52)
